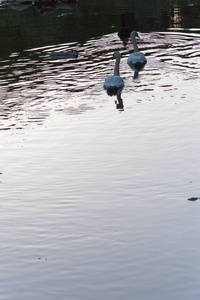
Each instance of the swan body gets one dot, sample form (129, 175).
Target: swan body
(113, 83)
(137, 59)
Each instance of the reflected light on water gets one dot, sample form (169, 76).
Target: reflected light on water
(93, 201)
(33, 85)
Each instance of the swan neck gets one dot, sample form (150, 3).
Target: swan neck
(134, 43)
(116, 70)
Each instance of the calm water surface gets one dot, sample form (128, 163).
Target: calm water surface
(93, 198)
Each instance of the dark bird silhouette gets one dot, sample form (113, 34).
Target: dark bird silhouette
(125, 31)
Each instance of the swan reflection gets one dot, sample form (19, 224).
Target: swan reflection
(119, 103)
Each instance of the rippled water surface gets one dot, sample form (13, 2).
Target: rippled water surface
(93, 198)
(33, 84)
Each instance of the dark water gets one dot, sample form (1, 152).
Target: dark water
(45, 25)
(93, 199)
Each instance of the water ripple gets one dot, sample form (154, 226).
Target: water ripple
(32, 84)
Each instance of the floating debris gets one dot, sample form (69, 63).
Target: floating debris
(193, 198)
(64, 54)
(65, 14)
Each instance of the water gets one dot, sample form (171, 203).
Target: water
(93, 198)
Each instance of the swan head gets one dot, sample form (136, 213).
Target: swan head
(134, 34)
(117, 55)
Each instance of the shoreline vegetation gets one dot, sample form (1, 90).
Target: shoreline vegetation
(156, 13)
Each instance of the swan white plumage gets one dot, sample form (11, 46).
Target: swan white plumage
(136, 60)
(114, 82)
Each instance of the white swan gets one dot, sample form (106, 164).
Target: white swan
(136, 60)
(113, 83)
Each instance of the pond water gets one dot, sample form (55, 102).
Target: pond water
(93, 198)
